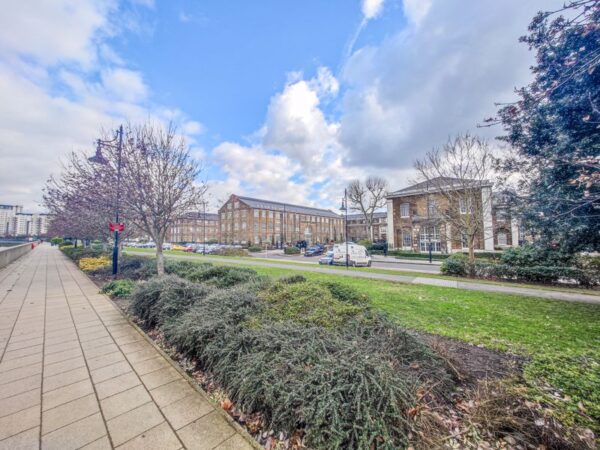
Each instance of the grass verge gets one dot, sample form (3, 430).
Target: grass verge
(561, 339)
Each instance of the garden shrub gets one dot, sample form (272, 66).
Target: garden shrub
(162, 298)
(339, 390)
(183, 268)
(292, 279)
(222, 276)
(119, 288)
(92, 263)
(57, 240)
(231, 252)
(254, 249)
(535, 255)
(220, 313)
(308, 303)
(291, 251)
(456, 264)
(345, 293)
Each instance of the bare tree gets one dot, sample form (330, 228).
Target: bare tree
(368, 198)
(159, 181)
(458, 175)
(80, 201)
(158, 184)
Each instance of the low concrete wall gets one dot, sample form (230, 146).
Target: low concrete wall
(10, 254)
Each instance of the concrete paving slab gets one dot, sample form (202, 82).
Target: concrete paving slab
(74, 373)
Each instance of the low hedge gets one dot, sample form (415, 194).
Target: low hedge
(254, 249)
(459, 265)
(231, 252)
(291, 251)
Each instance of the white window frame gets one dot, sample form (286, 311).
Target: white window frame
(405, 210)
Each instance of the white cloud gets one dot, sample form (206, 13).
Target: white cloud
(125, 84)
(416, 10)
(372, 8)
(60, 82)
(427, 82)
(50, 32)
(296, 125)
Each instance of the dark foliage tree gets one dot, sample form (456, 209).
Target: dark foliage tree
(554, 128)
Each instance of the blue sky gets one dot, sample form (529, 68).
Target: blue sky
(269, 95)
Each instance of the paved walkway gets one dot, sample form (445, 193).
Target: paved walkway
(472, 286)
(75, 374)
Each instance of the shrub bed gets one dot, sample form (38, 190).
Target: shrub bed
(89, 264)
(254, 249)
(308, 356)
(514, 267)
(291, 251)
(231, 252)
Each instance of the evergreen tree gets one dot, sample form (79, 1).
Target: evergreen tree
(554, 128)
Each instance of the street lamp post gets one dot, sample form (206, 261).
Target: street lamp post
(204, 227)
(98, 158)
(344, 208)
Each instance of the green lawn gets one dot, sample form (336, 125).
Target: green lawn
(561, 339)
(371, 269)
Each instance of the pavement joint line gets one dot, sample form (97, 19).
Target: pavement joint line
(79, 419)
(123, 354)
(21, 306)
(189, 380)
(20, 432)
(149, 429)
(128, 362)
(19, 379)
(19, 411)
(86, 364)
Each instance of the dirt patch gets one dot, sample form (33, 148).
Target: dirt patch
(473, 363)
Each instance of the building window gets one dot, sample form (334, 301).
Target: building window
(432, 208)
(407, 238)
(502, 238)
(405, 210)
(464, 205)
(430, 235)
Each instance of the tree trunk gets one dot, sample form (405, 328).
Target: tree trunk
(371, 233)
(160, 260)
(471, 256)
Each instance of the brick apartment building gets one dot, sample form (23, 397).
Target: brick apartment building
(250, 220)
(358, 230)
(414, 221)
(195, 227)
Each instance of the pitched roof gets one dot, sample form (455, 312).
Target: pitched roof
(435, 185)
(376, 215)
(287, 207)
(199, 216)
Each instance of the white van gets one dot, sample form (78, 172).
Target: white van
(358, 255)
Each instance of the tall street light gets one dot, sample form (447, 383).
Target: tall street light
(204, 226)
(344, 208)
(99, 158)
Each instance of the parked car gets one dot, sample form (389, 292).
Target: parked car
(358, 255)
(179, 248)
(314, 251)
(327, 259)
